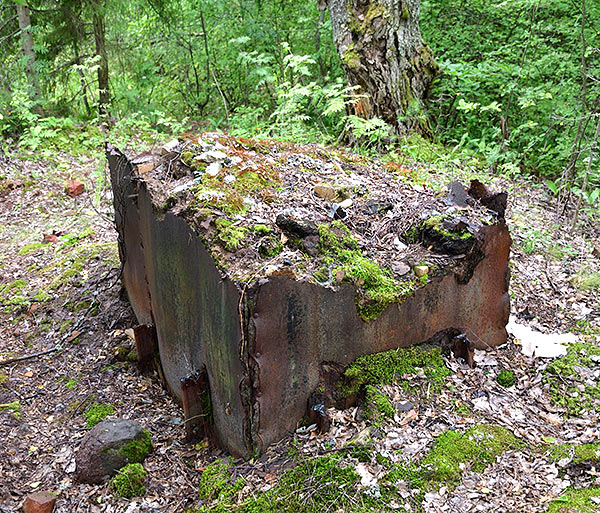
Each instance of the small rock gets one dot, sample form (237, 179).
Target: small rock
(332, 192)
(325, 191)
(170, 147)
(399, 245)
(39, 502)
(457, 195)
(74, 188)
(296, 227)
(405, 406)
(420, 270)
(233, 161)
(110, 445)
(212, 156)
(144, 163)
(377, 207)
(229, 178)
(400, 268)
(213, 169)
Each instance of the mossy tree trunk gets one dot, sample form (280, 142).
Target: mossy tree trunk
(100, 40)
(384, 54)
(29, 53)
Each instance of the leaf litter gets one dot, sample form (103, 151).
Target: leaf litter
(39, 440)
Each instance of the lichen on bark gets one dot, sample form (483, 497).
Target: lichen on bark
(380, 44)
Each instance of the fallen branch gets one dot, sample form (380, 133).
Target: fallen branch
(30, 356)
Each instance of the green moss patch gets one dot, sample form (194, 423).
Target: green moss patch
(230, 236)
(377, 405)
(583, 453)
(217, 487)
(313, 486)
(377, 285)
(388, 368)
(129, 482)
(228, 196)
(576, 500)
(269, 247)
(96, 413)
(31, 248)
(506, 378)
(476, 448)
(565, 392)
(136, 450)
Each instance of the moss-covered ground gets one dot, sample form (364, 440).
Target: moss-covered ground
(584, 500)
(476, 448)
(568, 393)
(129, 481)
(96, 413)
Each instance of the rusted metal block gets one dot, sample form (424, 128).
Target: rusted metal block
(146, 345)
(267, 343)
(197, 411)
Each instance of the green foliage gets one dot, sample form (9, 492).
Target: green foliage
(129, 481)
(15, 406)
(96, 413)
(511, 64)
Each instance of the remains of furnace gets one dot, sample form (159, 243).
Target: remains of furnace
(269, 267)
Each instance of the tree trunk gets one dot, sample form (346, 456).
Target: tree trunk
(384, 54)
(103, 92)
(28, 52)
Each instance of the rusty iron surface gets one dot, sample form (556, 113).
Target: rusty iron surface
(299, 326)
(264, 351)
(173, 283)
(146, 345)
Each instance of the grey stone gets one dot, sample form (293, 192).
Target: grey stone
(108, 447)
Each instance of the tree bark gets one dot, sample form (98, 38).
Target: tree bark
(27, 47)
(99, 38)
(380, 44)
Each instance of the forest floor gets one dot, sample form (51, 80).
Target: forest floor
(60, 299)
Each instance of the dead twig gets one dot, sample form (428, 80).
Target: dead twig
(31, 356)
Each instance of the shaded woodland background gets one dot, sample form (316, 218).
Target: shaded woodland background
(519, 86)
